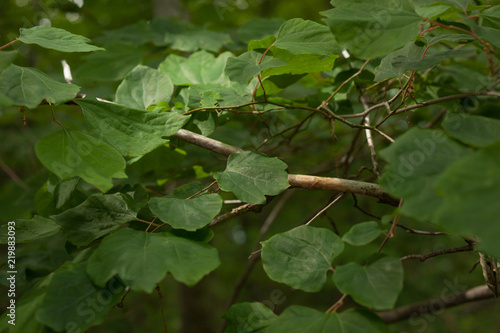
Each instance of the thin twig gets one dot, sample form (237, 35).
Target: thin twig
(337, 304)
(162, 307)
(421, 232)
(325, 102)
(392, 231)
(337, 198)
(202, 190)
(12, 175)
(424, 257)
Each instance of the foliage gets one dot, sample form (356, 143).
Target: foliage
(398, 93)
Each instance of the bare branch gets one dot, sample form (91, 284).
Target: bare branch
(300, 181)
(436, 305)
(342, 185)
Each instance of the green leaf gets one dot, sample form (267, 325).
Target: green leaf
(376, 284)
(143, 259)
(56, 39)
(113, 64)
(371, 29)
(476, 131)
(144, 86)
(4, 100)
(258, 28)
(469, 191)
(301, 257)
(200, 67)
(301, 319)
(251, 176)
(72, 303)
(248, 317)
(28, 230)
(55, 194)
(6, 58)
(28, 87)
(491, 17)
(132, 132)
(299, 36)
(460, 38)
(362, 233)
(69, 153)
(248, 65)
(387, 69)
(235, 94)
(96, 217)
(428, 61)
(417, 158)
(300, 64)
(188, 214)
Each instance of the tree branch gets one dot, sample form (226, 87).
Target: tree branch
(300, 181)
(436, 305)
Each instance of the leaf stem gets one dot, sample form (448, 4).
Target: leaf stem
(9, 43)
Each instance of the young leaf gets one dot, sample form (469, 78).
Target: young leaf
(362, 233)
(417, 159)
(200, 67)
(371, 29)
(469, 191)
(144, 86)
(132, 132)
(56, 39)
(301, 319)
(143, 259)
(376, 285)
(69, 154)
(248, 317)
(28, 87)
(95, 217)
(476, 131)
(251, 176)
(301, 257)
(73, 303)
(28, 230)
(299, 36)
(188, 214)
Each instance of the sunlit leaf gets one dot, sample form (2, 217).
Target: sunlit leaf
(144, 86)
